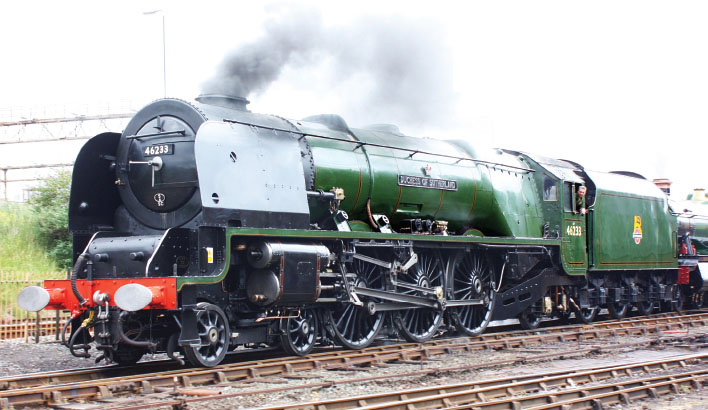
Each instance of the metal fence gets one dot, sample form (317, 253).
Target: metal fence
(16, 323)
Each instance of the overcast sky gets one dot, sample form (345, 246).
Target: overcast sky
(613, 85)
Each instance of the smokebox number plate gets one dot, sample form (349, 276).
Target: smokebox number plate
(425, 182)
(159, 149)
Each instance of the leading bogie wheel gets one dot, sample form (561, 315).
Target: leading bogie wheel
(472, 279)
(214, 335)
(420, 324)
(299, 334)
(127, 355)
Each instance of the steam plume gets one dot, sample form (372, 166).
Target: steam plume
(252, 67)
(386, 69)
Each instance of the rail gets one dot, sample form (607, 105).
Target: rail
(525, 391)
(137, 382)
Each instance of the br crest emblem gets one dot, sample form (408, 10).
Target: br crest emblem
(637, 234)
(160, 199)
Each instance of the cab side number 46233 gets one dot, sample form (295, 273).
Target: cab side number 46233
(574, 230)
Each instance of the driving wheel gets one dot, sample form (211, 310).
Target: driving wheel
(352, 326)
(472, 280)
(421, 323)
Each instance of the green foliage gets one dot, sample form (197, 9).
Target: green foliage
(50, 204)
(20, 250)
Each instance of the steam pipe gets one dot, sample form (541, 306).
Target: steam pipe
(80, 262)
(83, 346)
(371, 217)
(63, 332)
(321, 195)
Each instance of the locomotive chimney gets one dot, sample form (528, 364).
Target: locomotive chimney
(225, 101)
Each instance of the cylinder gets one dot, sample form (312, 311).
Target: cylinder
(285, 274)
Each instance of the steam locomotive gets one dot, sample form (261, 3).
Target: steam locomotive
(204, 227)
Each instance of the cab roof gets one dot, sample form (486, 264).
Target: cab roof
(559, 168)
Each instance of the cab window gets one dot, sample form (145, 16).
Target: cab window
(568, 197)
(550, 189)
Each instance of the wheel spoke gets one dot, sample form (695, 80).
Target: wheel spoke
(353, 327)
(351, 330)
(471, 268)
(292, 338)
(420, 324)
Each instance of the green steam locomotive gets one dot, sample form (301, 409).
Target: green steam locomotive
(204, 227)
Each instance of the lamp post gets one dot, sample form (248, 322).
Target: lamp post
(164, 59)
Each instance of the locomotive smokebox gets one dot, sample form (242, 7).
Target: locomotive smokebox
(226, 101)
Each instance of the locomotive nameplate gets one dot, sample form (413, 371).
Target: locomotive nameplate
(159, 149)
(425, 182)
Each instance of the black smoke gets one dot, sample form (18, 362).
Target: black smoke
(251, 68)
(386, 68)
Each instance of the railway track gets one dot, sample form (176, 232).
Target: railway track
(594, 387)
(517, 338)
(496, 393)
(105, 383)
